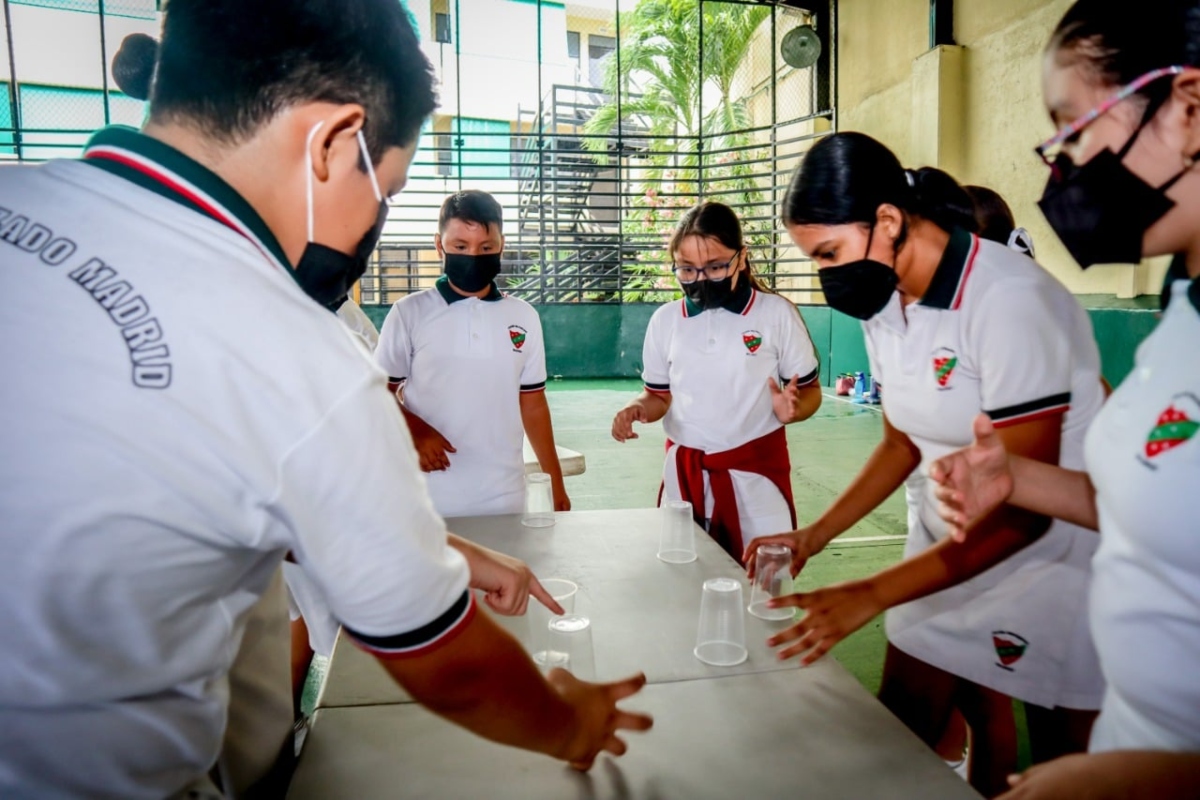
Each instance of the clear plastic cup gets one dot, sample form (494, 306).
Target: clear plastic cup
(721, 638)
(677, 540)
(539, 501)
(571, 646)
(772, 578)
(540, 617)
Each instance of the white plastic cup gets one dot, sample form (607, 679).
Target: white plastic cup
(539, 501)
(540, 617)
(571, 646)
(772, 578)
(677, 540)
(721, 638)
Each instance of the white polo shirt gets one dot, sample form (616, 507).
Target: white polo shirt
(995, 333)
(464, 363)
(716, 365)
(178, 416)
(1143, 455)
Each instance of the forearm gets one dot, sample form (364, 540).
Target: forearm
(485, 682)
(949, 563)
(1051, 490)
(654, 403)
(535, 417)
(1152, 774)
(884, 472)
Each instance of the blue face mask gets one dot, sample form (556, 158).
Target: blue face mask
(325, 274)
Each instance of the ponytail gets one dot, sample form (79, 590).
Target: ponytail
(845, 177)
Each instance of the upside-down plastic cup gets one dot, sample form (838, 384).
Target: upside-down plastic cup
(540, 617)
(677, 541)
(721, 639)
(539, 501)
(772, 578)
(571, 646)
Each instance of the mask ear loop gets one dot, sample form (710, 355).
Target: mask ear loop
(362, 145)
(308, 176)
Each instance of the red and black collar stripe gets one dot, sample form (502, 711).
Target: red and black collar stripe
(160, 168)
(953, 271)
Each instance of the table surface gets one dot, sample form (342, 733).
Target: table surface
(644, 612)
(811, 734)
(571, 461)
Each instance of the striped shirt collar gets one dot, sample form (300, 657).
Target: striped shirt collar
(950, 278)
(160, 168)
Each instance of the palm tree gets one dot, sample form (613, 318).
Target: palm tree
(668, 87)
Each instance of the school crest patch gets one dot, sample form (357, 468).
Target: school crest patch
(945, 361)
(1175, 426)
(516, 335)
(1009, 648)
(753, 340)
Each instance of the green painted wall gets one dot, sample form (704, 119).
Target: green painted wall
(594, 340)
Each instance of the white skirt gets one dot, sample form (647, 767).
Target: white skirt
(1020, 628)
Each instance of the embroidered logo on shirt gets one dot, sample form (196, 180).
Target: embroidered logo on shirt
(944, 362)
(753, 340)
(1174, 426)
(517, 335)
(1009, 647)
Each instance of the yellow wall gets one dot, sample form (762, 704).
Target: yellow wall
(998, 95)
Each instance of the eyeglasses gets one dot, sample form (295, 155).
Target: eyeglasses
(1050, 149)
(712, 272)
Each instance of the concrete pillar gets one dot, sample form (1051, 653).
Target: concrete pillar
(939, 109)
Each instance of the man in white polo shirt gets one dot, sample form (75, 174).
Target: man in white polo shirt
(470, 364)
(181, 410)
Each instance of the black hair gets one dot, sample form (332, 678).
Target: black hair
(471, 205)
(992, 214)
(846, 177)
(230, 66)
(1119, 43)
(716, 221)
(133, 65)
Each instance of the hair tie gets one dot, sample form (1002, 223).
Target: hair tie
(908, 176)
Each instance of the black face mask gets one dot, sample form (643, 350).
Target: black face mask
(472, 273)
(859, 288)
(709, 294)
(326, 275)
(1101, 210)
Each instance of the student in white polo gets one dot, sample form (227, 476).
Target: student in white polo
(713, 365)
(184, 410)
(954, 325)
(470, 365)
(1124, 185)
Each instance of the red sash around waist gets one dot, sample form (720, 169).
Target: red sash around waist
(766, 456)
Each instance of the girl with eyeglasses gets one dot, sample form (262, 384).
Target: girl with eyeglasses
(1125, 90)
(954, 325)
(725, 369)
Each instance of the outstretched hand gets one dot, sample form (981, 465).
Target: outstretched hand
(833, 613)
(974, 481)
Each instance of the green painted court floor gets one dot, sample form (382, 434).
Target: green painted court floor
(826, 451)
